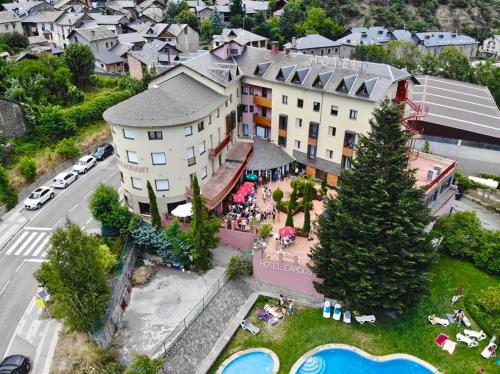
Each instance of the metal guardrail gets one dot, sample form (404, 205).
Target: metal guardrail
(180, 329)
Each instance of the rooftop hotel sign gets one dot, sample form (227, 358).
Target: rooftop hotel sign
(132, 167)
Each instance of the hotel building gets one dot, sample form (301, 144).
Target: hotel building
(239, 108)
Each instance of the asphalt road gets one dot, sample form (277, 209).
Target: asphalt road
(25, 241)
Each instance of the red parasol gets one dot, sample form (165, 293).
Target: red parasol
(287, 231)
(238, 198)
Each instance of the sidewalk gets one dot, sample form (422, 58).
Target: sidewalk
(10, 224)
(35, 337)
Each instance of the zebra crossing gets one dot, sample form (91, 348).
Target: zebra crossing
(30, 242)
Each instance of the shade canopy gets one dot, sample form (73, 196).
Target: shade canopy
(251, 177)
(184, 210)
(287, 231)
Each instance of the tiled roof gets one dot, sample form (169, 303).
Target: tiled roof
(22, 8)
(95, 33)
(43, 17)
(108, 57)
(179, 100)
(104, 19)
(267, 155)
(312, 41)
(9, 16)
(241, 36)
(436, 38)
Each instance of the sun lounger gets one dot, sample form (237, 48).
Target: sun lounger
(266, 317)
(436, 320)
(450, 318)
(466, 321)
(272, 312)
(247, 325)
(490, 350)
(449, 346)
(465, 339)
(336, 312)
(347, 317)
(479, 335)
(441, 338)
(367, 318)
(327, 309)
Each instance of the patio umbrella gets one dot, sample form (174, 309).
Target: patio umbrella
(287, 231)
(238, 198)
(251, 177)
(184, 210)
(248, 184)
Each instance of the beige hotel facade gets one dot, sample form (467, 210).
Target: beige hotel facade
(239, 108)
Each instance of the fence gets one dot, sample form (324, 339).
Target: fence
(120, 295)
(181, 328)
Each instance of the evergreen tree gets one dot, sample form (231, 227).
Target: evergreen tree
(427, 147)
(217, 21)
(202, 232)
(307, 202)
(292, 205)
(153, 206)
(236, 8)
(373, 252)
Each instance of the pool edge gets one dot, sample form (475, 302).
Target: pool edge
(234, 356)
(359, 351)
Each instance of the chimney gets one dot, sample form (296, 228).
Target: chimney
(294, 42)
(287, 51)
(275, 47)
(92, 32)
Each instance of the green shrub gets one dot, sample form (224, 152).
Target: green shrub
(55, 124)
(14, 40)
(464, 237)
(133, 85)
(143, 364)
(8, 194)
(484, 307)
(278, 196)
(465, 182)
(67, 148)
(92, 110)
(27, 168)
(102, 81)
(264, 230)
(239, 267)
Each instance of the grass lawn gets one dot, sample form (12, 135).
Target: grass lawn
(411, 334)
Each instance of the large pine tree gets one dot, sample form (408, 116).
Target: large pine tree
(373, 252)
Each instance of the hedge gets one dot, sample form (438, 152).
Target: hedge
(484, 307)
(92, 110)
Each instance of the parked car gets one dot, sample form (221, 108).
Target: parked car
(103, 151)
(84, 164)
(15, 364)
(39, 197)
(64, 179)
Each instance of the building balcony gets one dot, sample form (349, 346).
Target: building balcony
(191, 161)
(215, 151)
(262, 101)
(261, 120)
(347, 151)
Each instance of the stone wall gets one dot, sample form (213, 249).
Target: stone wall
(12, 121)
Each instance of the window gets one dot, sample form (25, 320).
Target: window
(201, 148)
(331, 131)
(283, 122)
(313, 130)
(245, 108)
(191, 160)
(298, 122)
(311, 151)
(296, 144)
(226, 104)
(209, 119)
(334, 110)
(252, 91)
(264, 91)
(188, 131)
(237, 92)
(132, 157)
(162, 185)
(230, 98)
(218, 113)
(158, 158)
(329, 153)
(251, 108)
(204, 173)
(201, 126)
(245, 129)
(300, 103)
(316, 106)
(244, 90)
(128, 134)
(113, 129)
(136, 183)
(353, 114)
(282, 141)
(284, 99)
(144, 208)
(155, 135)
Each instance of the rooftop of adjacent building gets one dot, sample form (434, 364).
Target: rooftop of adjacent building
(241, 36)
(424, 162)
(310, 42)
(437, 38)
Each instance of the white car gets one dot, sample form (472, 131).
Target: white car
(64, 179)
(84, 164)
(38, 197)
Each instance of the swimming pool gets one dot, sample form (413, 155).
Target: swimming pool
(251, 361)
(343, 359)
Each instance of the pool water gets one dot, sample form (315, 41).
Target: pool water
(250, 363)
(344, 361)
